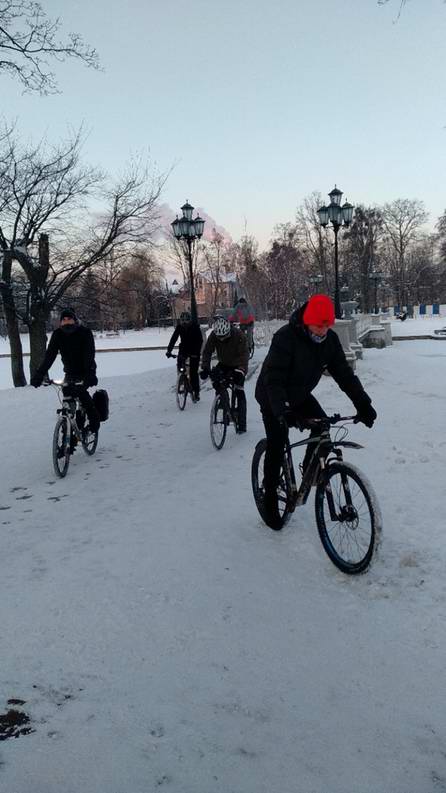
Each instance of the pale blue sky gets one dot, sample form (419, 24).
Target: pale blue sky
(257, 104)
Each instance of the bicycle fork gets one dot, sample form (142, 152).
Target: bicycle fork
(347, 510)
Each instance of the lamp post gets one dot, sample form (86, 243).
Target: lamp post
(188, 230)
(338, 216)
(375, 277)
(345, 292)
(312, 286)
(316, 279)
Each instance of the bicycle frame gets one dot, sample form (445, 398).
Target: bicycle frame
(228, 403)
(319, 461)
(67, 410)
(185, 369)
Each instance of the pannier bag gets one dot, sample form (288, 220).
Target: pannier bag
(101, 401)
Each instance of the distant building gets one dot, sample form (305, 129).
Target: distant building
(228, 289)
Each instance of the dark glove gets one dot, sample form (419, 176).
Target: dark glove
(204, 374)
(238, 378)
(366, 415)
(36, 380)
(168, 354)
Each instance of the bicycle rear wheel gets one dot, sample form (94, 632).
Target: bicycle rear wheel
(284, 495)
(218, 422)
(61, 446)
(182, 389)
(348, 518)
(89, 441)
(251, 348)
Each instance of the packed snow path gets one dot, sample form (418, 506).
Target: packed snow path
(161, 637)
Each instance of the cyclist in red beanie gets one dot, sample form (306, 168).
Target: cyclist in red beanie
(299, 353)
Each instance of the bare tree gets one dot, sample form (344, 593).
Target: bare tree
(284, 265)
(362, 255)
(213, 255)
(28, 38)
(402, 222)
(402, 3)
(314, 240)
(139, 287)
(47, 190)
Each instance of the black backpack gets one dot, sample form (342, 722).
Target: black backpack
(101, 403)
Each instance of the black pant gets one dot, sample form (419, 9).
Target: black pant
(238, 379)
(194, 361)
(87, 403)
(276, 437)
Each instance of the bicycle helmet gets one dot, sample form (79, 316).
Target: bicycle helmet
(185, 317)
(222, 328)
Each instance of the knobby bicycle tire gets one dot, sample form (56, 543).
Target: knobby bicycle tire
(219, 419)
(182, 389)
(352, 542)
(61, 461)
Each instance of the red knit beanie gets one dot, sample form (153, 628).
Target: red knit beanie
(319, 310)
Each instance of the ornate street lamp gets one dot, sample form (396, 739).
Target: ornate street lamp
(375, 277)
(338, 216)
(345, 291)
(187, 230)
(314, 280)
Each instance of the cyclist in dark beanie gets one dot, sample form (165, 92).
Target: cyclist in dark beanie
(75, 343)
(191, 342)
(299, 353)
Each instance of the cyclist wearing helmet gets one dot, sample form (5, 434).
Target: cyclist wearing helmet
(231, 348)
(299, 353)
(191, 341)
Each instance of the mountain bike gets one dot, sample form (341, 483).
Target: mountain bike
(348, 516)
(183, 386)
(224, 409)
(71, 428)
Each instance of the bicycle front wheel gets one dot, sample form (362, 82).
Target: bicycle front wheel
(61, 446)
(218, 422)
(348, 517)
(182, 389)
(284, 495)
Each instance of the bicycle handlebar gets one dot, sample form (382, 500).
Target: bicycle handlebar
(330, 420)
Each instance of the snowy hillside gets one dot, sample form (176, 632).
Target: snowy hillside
(162, 637)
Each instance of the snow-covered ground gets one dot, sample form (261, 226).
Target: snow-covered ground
(162, 637)
(419, 326)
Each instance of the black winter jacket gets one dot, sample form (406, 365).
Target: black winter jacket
(232, 352)
(191, 339)
(294, 365)
(77, 351)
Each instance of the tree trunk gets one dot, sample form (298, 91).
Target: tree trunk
(37, 340)
(12, 325)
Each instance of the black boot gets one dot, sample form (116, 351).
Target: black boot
(272, 515)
